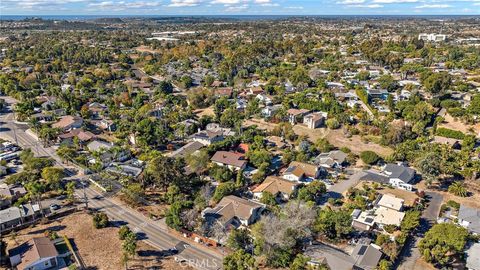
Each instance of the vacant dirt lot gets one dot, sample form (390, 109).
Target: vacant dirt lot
(99, 248)
(451, 123)
(335, 137)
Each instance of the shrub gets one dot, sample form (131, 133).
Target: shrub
(369, 157)
(100, 220)
(124, 232)
(450, 133)
(333, 123)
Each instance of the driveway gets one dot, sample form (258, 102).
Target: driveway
(410, 253)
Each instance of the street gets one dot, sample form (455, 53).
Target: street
(410, 253)
(155, 235)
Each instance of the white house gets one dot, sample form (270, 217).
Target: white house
(399, 176)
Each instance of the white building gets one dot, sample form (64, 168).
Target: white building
(432, 37)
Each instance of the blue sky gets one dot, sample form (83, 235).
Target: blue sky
(238, 7)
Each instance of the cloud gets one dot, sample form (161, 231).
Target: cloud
(123, 5)
(237, 8)
(367, 6)
(349, 2)
(433, 6)
(226, 2)
(184, 3)
(294, 7)
(395, 1)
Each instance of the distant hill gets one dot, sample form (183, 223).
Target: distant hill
(108, 20)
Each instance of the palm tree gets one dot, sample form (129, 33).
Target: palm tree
(458, 189)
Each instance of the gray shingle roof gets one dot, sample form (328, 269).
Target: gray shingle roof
(471, 215)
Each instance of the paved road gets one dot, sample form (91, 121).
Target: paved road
(410, 253)
(154, 234)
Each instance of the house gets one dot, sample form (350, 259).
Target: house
(391, 202)
(296, 115)
(241, 104)
(68, 122)
(15, 216)
(98, 145)
(472, 257)
(10, 193)
(279, 187)
(378, 94)
(224, 92)
(300, 171)
(105, 124)
(387, 211)
(80, 134)
(186, 150)
(270, 111)
(399, 176)
(124, 169)
(232, 160)
(315, 120)
(365, 256)
(207, 137)
(469, 218)
(255, 90)
(36, 254)
(265, 99)
(233, 211)
(96, 109)
(331, 160)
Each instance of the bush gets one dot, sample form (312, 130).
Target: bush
(369, 157)
(333, 123)
(450, 133)
(124, 232)
(100, 220)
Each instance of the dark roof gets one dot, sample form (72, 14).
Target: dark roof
(401, 172)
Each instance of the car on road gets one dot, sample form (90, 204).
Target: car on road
(54, 207)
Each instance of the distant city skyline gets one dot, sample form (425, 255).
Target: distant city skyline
(239, 7)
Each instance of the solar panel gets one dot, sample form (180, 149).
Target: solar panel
(362, 250)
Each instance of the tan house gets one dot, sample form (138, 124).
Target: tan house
(234, 211)
(68, 122)
(300, 171)
(277, 186)
(36, 254)
(232, 160)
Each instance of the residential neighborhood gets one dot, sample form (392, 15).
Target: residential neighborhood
(240, 143)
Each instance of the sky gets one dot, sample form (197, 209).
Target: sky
(239, 7)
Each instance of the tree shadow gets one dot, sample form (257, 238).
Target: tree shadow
(55, 228)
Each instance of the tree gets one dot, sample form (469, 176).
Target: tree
(164, 87)
(268, 199)
(333, 123)
(163, 171)
(300, 263)
(369, 157)
(198, 161)
(52, 175)
(129, 247)
(276, 236)
(186, 81)
(71, 191)
(457, 188)
(411, 221)
(223, 190)
(443, 242)
(123, 232)
(334, 224)
(100, 220)
(239, 260)
(384, 265)
(239, 239)
(312, 191)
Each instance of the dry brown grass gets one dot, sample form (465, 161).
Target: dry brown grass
(454, 124)
(99, 248)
